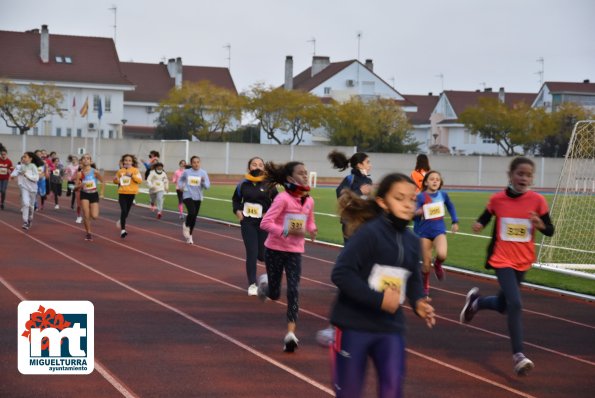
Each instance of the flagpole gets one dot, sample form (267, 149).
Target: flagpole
(72, 131)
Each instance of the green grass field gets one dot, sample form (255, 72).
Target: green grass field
(465, 249)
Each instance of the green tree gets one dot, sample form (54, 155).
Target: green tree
(558, 129)
(508, 126)
(378, 125)
(23, 108)
(200, 109)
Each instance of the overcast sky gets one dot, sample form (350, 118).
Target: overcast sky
(472, 43)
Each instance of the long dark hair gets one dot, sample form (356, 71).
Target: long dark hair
(422, 162)
(354, 211)
(341, 162)
(278, 173)
(35, 159)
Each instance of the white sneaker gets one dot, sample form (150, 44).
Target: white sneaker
(79, 220)
(253, 290)
(189, 240)
(185, 231)
(522, 364)
(118, 224)
(290, 342)
(326, 337)
(57, 207)
(263, 287)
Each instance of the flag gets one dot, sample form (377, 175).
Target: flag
(85, 108)
(99, 110)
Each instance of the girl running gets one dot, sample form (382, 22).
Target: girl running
(250, 202)
(43, 177)
(158, 186)
(56, 180)
(128, 179)
(86, 182)
(288, 220)
(70, 173)
(174, 179)
(519, 212)
(429, 225)
(6, 168)
(374, 272)
(192, 182)
(28, 174)
(422, 166)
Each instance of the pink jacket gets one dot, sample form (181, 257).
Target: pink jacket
(285, 212)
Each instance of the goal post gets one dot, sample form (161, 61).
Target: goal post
(571, 249)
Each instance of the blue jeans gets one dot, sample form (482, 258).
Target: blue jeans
(508, 301)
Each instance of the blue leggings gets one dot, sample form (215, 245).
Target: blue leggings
(508, 301)
(351, 351)
(276, 261)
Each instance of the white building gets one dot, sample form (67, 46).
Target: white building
(553, 94)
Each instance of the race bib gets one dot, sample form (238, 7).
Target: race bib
(89, 186)
(253, 210)
(3, 171)
(157, 184)
(294, 222)
(125, 181)
(194, 181)
(56, 173)
(433, 210)
(40, 169)
(515, 229)
(384, 277)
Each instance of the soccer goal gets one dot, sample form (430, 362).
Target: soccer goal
(572, 248)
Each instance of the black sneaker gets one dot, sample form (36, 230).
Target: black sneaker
(123, 234)
(88, 237)
(468, 311)
(290, 342)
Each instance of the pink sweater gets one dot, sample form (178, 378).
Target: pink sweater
(285, 211)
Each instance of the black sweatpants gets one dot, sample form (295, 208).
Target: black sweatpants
(192, 208)
(254, 238)
(126, 202)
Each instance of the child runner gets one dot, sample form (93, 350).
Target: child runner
(87, 181)
(422, 166)
(70, 174)
(174, 179)
(128, 179)
(192, 182)
(519, 212)
(27, 174)
(374, 272)
(6, 168)
(289, 218)
(158, 186)
(358, 182)
(250, 201)
(56, 180)
(153, 158)
(43, 177)
(429, 225)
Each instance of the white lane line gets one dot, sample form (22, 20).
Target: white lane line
(99, 367)
(203, 324)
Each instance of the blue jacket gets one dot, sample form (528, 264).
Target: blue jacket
(357, 306)
(354, 181)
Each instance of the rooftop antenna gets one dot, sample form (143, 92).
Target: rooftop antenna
(392, 80)
(313, 41)
(541, 71)
(359, 39)
(228, 47)
(441, 76)
(115, 26)
(483, 85)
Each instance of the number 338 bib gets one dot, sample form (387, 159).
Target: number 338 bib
(515, 229)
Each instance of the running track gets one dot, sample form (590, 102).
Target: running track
(173, 320)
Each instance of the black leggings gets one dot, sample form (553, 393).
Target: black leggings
(126, 201)
(192, 207)
(276, 261)
(254, 238)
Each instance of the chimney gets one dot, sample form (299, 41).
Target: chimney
(501, 95)
(288, 73)
(430, 94)
(370, 64)
(171, 67)
(586, 81)
(44, 48)
(319, 63)
(179, 72)
(487, 90)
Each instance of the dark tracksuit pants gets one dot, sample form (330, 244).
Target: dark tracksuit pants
(277, 261)
(126, 201)
(254, 238)
(192, 208)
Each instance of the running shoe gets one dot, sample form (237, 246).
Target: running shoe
(79, 220)
(185, 231)
(189, 240)
(438, 270)
(181, 216)
(326, 337)
(263, 287)
(290, 342)
(25, 226)
(159, 216)
(522, 364)
(470, 307)
(88, 237)
(119, 224)
(253, 290)
(57, 207)
(426, 282)
(123, 234)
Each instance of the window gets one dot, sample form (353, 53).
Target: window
(96, 101)
(110, 134)
(68, 132)
(68, 60)
(108, 103)
(14, 131)
(35, 131)
(327, 90)
(488, 141)
(79, 132)
(59, 59)
(58, 132)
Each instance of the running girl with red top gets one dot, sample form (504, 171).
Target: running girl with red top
(519, 212)
(6, 168)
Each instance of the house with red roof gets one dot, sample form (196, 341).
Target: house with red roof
(337, 81)
(420, 119)
(553, 94)
(84, 69)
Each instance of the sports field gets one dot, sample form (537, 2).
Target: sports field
(465, 249)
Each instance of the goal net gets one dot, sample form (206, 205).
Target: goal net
(572, 248)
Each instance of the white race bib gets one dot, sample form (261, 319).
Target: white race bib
(157, 184)
(194, 181)
(125, 181)
(3, 171)
(433, 210)
(515, 229)
(294, 222)
(89, 186)
(56, 173)
(253, 210)
(385, 276)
